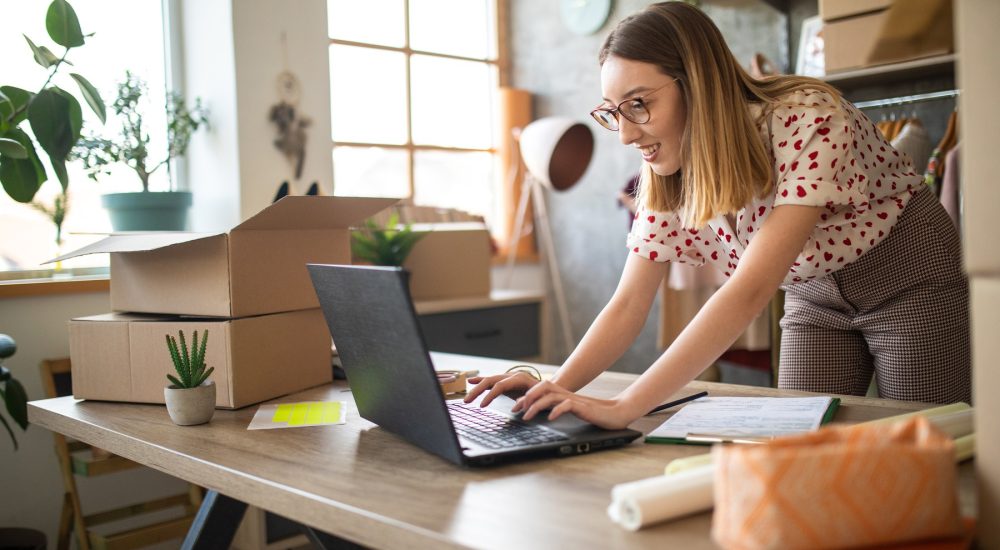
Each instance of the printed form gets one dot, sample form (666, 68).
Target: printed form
(745, 416)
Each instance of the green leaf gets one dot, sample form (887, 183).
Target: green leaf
(59, 167)
(17, 403)
(175, 381)
(204, 376)
(10, 431)
(12, 148)
(91, 96)
(63, 25)
(16, 98)
(56, 120)
(40, 56)
(21, 178)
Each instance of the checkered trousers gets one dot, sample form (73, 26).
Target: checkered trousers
(901, 311)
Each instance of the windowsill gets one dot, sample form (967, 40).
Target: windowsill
(42, 282)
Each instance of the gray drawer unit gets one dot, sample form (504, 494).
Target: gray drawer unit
(507, 332)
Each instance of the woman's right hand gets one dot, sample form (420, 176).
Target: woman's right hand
(498, 384)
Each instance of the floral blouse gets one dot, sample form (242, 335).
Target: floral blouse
(822, 156)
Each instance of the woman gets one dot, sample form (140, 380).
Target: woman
(777, 182)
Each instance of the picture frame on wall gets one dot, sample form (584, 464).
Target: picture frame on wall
(810, 61)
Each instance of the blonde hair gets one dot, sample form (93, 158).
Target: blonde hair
(724, 163)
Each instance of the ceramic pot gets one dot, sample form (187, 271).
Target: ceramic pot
(148, 211)
(190, 406)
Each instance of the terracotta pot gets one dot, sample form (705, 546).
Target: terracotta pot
(190, 406)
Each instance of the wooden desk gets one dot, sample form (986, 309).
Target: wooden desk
(366, 485)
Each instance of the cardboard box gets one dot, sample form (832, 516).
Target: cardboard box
(256, 268)
(830, 10)
(452, 260)
(906, 30)
(124, 357)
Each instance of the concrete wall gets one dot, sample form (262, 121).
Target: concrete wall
(560, 69)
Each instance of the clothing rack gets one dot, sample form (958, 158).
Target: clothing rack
(907, 99)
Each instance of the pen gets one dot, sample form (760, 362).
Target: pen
(680, 401)
(721, 438)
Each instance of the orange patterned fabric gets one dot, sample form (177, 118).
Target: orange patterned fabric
(838, 487)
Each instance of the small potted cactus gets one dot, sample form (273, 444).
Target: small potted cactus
(190, 397)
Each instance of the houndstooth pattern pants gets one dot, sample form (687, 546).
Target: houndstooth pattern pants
(901, 311)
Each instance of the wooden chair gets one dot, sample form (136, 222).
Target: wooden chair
(79, 459)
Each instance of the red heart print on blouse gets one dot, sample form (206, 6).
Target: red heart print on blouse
(823, 131)
(813, 155)
(798, 145)
(799, 191)
(827, 256)
(653, 255)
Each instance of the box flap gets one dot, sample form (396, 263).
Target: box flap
(304, 212)
(134, 242)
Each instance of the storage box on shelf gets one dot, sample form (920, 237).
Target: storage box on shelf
(864, 33)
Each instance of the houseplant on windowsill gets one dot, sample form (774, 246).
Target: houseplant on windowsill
(143, 211)
(53, 115)
(190, 397)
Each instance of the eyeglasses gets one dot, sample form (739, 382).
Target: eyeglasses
(633, 109)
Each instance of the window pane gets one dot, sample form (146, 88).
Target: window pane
(131, 34)
(371, 21)
(370, 172)
(459, 114)
(455, 180)
(456, 27)
(368, 95)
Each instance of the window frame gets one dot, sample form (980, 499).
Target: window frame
(500, 62)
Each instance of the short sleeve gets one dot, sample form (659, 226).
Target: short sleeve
(660, 237)
(811, 141)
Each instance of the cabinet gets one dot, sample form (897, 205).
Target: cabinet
(506, 324)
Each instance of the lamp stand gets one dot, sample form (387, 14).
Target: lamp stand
(530, 187)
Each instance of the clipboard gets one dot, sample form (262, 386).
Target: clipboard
(706, 437)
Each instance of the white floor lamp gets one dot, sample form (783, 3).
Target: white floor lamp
(556, 152)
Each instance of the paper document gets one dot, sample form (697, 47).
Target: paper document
(295, 415)
(745, 416)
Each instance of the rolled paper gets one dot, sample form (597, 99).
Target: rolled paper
(637, 504)
(965, 447)
(928, 413)
(678, 465)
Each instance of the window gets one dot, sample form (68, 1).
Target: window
(413, 92)
(128, 34)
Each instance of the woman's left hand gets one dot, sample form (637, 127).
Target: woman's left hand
(606, 413)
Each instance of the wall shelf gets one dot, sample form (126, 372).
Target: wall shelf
(941, 65)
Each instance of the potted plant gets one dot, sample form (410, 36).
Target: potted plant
(143, 211)
(12, 393)
(384, 246)
(190, 397)
(53, 114)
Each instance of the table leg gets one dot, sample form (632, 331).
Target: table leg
(326, 541)
(215, 523)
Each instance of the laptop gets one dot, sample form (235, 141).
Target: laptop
(377, 334)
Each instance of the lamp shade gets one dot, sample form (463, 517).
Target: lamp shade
(557, 150)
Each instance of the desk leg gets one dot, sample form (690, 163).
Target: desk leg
(216, 522)
(326, 541)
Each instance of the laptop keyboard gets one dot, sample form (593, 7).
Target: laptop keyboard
(497, 431)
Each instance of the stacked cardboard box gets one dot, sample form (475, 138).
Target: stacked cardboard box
(863, 33)
(248, 287)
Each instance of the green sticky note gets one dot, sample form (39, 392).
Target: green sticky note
(282, 414)
(299, 411)
(331, 412)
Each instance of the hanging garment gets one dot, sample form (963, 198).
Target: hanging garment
(951, 187)
(935, 165)
(914, 141)
(896, 128)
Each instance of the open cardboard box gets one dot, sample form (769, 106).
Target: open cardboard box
(257, 267)
(124, 357)
(451, 260)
